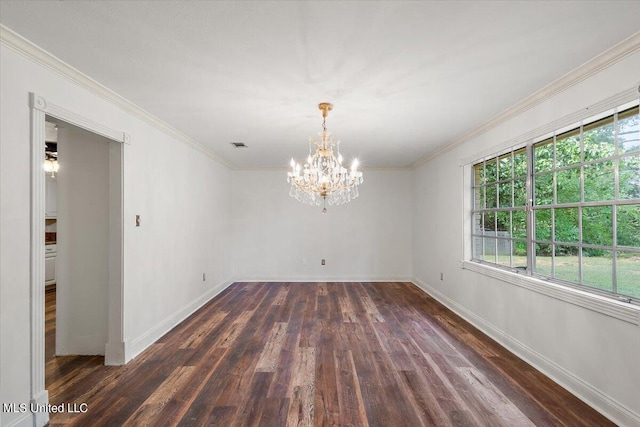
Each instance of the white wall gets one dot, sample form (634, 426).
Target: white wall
(366, 239)
(82, 242)
(594, 355)
(183, 199)
(182, 195)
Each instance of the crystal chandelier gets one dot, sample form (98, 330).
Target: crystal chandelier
(323, 179)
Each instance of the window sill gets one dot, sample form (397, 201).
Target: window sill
(617, 309)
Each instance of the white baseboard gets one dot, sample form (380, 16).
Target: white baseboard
(30, 419)
(41, 418)
(138, 345)
(324, 279)
(80, 346)
(114, 353)
(598, 400)
(25, 420)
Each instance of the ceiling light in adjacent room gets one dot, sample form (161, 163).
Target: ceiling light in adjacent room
(51, 165)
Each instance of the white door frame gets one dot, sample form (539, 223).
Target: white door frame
(115, 347)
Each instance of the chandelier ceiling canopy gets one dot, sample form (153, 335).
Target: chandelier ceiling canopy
(323, 179)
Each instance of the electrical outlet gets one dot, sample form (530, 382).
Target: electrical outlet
(138, 220)
(323, 261)
(441, 276)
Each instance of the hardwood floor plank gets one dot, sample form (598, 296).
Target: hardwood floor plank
(237, 379)
(176, 408)
(369, 306)
(137, 392)
(464, 404)
(303, 354)
(351, 406)
(389, 341)
(311, 324)
(196, 338)
(423, 396)
(274, 413)
(500, 405)
(69, 370)
(226, 339)
(375, 402)
(322, 289)
(147, 413)
(220, 416)
(271, 351)
(326, 405)
(302, 389)
(280, 384)
(252, 405)
(281, 296)
(348, 312)
(296, 319)
(241, 359)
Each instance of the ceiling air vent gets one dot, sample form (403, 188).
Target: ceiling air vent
(239, 144)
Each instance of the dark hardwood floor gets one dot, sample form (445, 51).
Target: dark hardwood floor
(302, 354)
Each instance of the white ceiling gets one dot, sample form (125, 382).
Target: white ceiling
(405, 78)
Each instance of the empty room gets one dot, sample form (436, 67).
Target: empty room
(319, 213)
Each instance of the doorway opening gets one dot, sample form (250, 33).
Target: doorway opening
(78, 227)
(77, 198)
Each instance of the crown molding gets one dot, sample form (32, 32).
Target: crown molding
(606, 59)
(386, 168)
(285, 169)
(17, 43)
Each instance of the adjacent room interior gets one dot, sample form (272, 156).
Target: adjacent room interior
(320, 213)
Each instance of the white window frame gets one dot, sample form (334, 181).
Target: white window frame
(625, 309)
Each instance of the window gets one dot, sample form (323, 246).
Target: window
(566, 207)
(500, 232)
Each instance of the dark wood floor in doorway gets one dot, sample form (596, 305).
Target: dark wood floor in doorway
(316, 354)
(62, 373)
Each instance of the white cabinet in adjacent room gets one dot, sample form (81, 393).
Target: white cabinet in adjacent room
(51, 198)
(50, 264)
